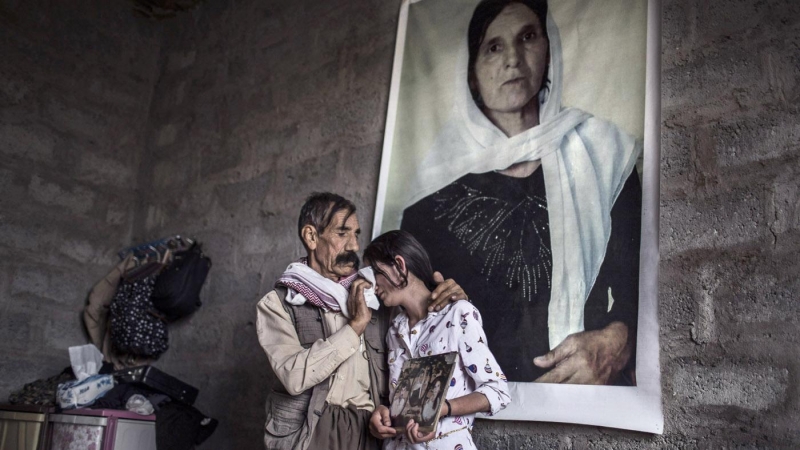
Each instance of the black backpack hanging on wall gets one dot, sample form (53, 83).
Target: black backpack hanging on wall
(176, 293)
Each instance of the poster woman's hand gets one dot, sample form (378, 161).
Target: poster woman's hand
(588, 357)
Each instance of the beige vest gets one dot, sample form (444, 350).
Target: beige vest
(291, 419)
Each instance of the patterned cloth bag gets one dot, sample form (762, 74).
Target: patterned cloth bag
(136, 326)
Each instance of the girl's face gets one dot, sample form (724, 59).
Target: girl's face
(387, 280)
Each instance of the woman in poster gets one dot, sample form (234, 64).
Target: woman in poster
(399, 401)
(403, 275)
(517, 198)
(429, 408)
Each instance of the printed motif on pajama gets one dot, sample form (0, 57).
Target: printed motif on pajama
(458, 327)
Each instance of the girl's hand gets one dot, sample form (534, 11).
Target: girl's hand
(413, 434)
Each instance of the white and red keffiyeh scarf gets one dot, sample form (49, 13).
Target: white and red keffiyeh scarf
(306, 284)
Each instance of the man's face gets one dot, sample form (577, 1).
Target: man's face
(511, 61)
(335, 254)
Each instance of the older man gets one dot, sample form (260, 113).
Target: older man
(324, 344)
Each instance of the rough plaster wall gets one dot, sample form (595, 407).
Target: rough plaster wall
(258, 105)
(75, 87)
(262, 104)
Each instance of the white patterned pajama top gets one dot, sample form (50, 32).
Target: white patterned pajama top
(458, 327)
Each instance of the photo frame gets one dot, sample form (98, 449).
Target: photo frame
(421, 390)
(610, 69)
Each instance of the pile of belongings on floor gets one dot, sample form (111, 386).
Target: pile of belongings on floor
(126, 315)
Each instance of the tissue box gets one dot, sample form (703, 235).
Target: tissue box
(75, 394)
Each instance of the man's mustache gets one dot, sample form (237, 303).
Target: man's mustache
(348, 258)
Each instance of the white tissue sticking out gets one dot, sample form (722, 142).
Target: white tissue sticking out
(369, 294)
(85, 360)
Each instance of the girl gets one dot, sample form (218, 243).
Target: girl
(404, 278)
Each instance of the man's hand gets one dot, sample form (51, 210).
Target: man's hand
(413, 434)
(446, 291)
(380, 424)
(360, 314)
(588, 357)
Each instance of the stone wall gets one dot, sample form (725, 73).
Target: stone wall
(75, 88)
(256, 104)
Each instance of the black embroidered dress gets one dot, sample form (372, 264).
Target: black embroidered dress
(491, 234)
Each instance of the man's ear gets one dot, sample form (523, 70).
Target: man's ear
(310, 238)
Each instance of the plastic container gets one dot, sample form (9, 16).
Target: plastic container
(23, 427)
(101, 429)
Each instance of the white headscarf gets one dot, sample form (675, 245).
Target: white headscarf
(585, 160)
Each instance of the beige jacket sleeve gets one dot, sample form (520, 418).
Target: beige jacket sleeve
(95, 314)
(296, 367)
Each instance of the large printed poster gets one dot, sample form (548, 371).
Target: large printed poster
(521, 150)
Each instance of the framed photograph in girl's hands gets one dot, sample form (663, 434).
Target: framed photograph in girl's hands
(421, 390)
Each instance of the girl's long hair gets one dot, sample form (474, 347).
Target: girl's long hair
(395, 243)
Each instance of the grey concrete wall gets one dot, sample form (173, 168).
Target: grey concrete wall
(75, 85)
(256, 104)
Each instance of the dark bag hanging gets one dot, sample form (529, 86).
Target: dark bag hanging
(136, 327)
(177, 290)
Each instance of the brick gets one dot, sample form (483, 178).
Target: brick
(100, 170)
(759, 290)
(39, 281)
(80, 121)
(224, 287)
(704, 329)
(751, 387)
(12, 90)
(33, 281)
(297, 179)
(781, 59)
(754, 138)
(210, 331)
(167, 135)
(677, 29)
(257, 240)
(218, 156)
(118, 213)
(16, 329)
(20, 238)
(784, 205)
(729, 18)
(169, 173)
(676, 156)
(81, 251)
(33, 143)
(76, 199)
(63, 329)
(181, 60)
(6, 180)
(705, 85)
(724, 219)
(676, 300)
(487, 439)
